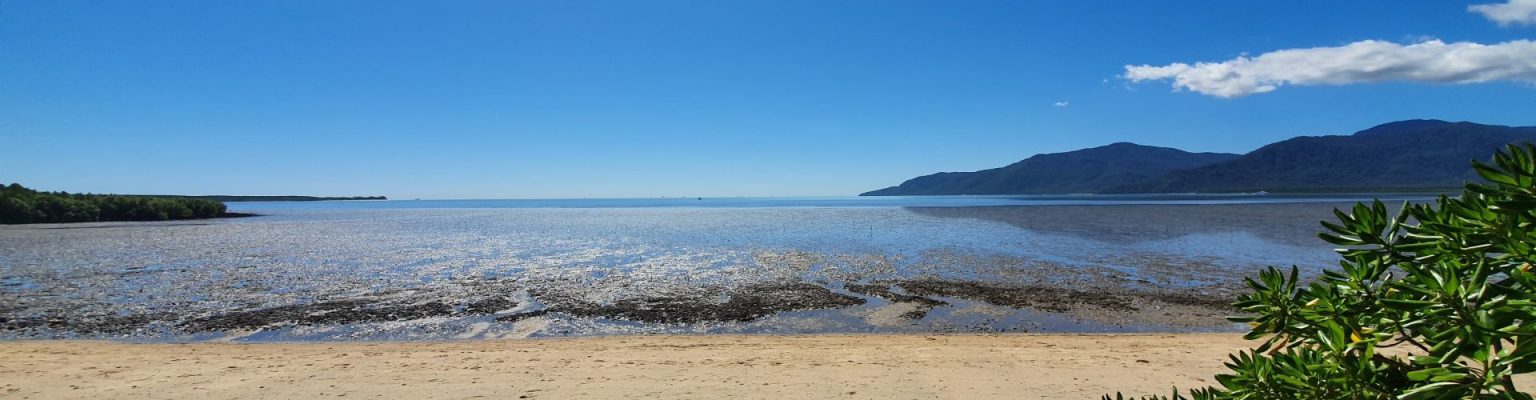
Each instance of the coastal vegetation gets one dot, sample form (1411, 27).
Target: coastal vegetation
(20, 205)
(1435, 301)
(1403, 156)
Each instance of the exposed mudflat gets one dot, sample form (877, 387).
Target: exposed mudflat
(493, 273)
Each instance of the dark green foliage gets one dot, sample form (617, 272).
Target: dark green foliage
(1448, 287)
(19, 205)
(1083, 171)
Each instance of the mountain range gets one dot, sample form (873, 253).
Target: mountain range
(1411, 155)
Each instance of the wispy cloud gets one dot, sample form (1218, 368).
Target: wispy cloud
(1062, 103)
(1366, 61)
(1512, 12)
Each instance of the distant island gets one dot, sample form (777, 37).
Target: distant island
(1403, 156)
(225, 198)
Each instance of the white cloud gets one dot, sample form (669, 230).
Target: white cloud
(1513, 12)
(1366, 61)
(1062, 103)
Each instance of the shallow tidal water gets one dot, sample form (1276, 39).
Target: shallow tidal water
(407, 270)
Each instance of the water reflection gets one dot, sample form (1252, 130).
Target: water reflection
(150, 279)
(1291, 224)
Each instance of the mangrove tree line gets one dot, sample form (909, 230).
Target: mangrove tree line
(20, 205)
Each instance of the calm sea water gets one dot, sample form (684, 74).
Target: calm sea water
(830, 202)
(298, 252)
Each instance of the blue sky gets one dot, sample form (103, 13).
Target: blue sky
(540, 99)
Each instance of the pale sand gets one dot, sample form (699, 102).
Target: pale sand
(1024, 366)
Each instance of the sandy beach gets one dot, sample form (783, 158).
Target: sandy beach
(1015, 366)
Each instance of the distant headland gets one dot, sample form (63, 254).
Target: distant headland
(22, 205)
(225, 198)
(1403, 156)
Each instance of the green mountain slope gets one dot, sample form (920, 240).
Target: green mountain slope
(1397, 156)
(1082, 171)
(1405, 155)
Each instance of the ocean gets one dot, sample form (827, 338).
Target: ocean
(474, 269)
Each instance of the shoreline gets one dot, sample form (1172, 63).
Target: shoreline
(674, 366)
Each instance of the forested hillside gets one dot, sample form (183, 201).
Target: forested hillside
(1082, 171)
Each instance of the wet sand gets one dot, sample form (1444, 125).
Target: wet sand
(1015, 366)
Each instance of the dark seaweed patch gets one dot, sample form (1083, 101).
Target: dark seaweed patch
(1206, 301)
(488, 306)
(521, 316)
(341, 312)
(1043, 298)
(744, 304)
(885, 292)
(84, 324)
